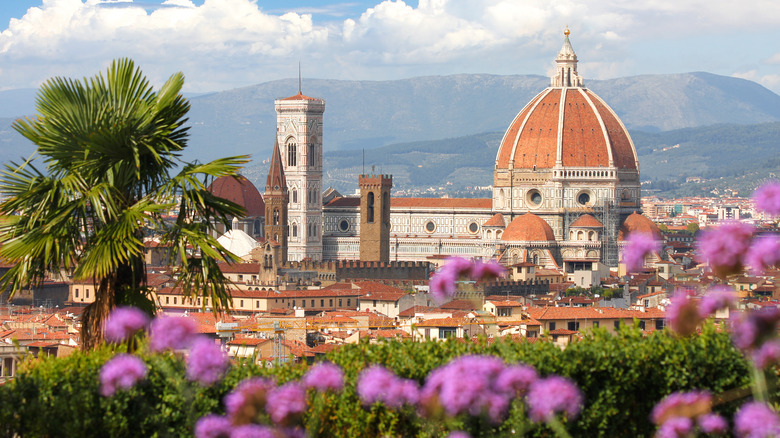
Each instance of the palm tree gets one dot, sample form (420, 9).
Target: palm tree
(111, 147)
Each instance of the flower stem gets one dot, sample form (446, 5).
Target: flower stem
(557, 427)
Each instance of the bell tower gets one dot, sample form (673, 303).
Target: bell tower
(299, 138)
(276, 202)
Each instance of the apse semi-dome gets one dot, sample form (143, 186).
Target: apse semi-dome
(241, 191)
(528, 228)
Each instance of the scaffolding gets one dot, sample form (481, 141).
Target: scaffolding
(609, 216)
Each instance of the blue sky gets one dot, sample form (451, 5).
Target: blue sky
(225, 44)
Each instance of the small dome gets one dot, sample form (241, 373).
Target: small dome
(241, 191)
(637, 223)
(587, 221)
(528, 227)
(496, 221)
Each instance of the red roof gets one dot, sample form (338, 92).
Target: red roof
(496, 221)
(586, 221)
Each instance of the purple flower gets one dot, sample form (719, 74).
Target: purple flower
(756, 420)
(171, 333)
(717, 298)
(767, 198)
(517, 379)
(486, 271)
(378, 384)
(121, 372)
(286, 402)
(681, 404)
(767, 354)
(712, 424)
(253, 431)
(724, 247)
(675, 427)
(469, 384)
(750, 330)
(248, 399)
(324, 376)
(638, 246)
(443, 284)
(458, 434)
(206, 362)
(683, 314)
(213, 426)
(124, 322)
(552, 395)
(764, 253)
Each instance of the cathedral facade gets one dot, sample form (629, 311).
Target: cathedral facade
(566, 189)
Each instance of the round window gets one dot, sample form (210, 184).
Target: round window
(473, 227)
(430, 227)
(534, 198)
(344, 225)
(583, 198)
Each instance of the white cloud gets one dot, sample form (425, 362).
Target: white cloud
(227, 43)
(770, 81)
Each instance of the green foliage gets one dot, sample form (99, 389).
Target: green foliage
(622, 376)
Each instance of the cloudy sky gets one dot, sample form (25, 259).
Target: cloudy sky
(226, 44)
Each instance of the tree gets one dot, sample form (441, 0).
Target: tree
(111, 147)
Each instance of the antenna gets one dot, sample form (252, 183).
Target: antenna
(364, 161)
(299, 78)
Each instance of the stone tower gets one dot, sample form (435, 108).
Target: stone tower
(299, 134)
(276, 202)
(375, 217)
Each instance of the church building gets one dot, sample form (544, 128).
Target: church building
(566, 190)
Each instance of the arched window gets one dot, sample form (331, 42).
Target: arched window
(295, 196)
(294, 230)
(276, 216)
(591, 235)
(312, 155)
(292, 152)
(536, 259)
(370, 207)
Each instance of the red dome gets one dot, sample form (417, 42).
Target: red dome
(241, 191)
(586, 221)
(572, 126)
(637, 223)
(528, 227)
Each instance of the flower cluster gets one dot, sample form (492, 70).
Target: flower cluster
(124, 322)
(123, 371)
(257, 407)
(378, 384)
(678, 415)
(206, 361)
(767, 198)
(444, 282)
(756, 420)
(637, 247)
(687, 311)
(480, 386)
(475, 385)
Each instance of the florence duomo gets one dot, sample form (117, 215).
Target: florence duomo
(566, 188)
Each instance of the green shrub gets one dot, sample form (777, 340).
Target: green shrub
(622, 376)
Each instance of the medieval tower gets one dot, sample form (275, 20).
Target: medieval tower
(375, 217)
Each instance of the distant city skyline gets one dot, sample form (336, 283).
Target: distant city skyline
(227, 44)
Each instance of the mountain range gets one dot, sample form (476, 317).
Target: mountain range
(398, 121)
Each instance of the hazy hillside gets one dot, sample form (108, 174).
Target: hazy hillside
(725, 156)
(369, 114)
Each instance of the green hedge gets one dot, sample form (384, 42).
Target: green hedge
(622, 376)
